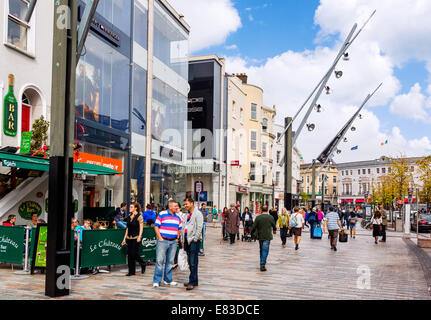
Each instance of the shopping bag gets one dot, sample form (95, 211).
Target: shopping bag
(182, 260)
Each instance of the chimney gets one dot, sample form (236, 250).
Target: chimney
(243, 77)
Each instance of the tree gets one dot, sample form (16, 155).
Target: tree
(424, 172)
(39, 134)
(305, 197)
(400, 177)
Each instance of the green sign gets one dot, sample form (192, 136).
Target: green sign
(25, 142)
(10, 114)
(12, 244)
(41, 244)
(102, 248)
(147, 249)
(28, 208)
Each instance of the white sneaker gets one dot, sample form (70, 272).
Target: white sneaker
(155, 285)
(172, 284)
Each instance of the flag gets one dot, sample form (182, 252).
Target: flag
(383, 143)
(355, 148)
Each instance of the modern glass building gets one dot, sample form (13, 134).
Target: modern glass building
(131, 90)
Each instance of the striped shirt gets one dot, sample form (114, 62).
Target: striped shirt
(332, 218)
(168, 225)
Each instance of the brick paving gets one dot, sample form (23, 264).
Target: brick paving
(232, 273)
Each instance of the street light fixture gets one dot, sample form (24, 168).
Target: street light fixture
(338, 74)
(328, 90)
(311, 127)
(346, 57)
(318, 108)
(353, 129)
(345, 140)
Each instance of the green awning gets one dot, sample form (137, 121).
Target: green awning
(38, 164)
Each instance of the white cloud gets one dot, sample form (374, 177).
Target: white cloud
(231, 47)
(400, 27)
(211, 21)
(411, 105)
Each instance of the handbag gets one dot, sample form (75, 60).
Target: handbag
(182, 260)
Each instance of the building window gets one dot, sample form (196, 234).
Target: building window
(141, 25)
(117, 12)
(265, 125)
(389, 170)
(378, 170)
(308, 179)
(364, 171)
(351, 172)
(369, 171)
(278, 156)
(383, 170)
(277, 178)
(241, 114)
(252, 171)
(359, 171)
(334, 179)
(342, 173)
(334, 190)
(253, 111)
(264, 173)
(253, 140)
(17, 28)
(264, 147)
(278, 136)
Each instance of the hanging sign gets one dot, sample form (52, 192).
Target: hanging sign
(28, 208)
(25, 142)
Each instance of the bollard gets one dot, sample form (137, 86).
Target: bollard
(26, 270)
(78, 276)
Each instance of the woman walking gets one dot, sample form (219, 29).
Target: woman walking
(133, 237)
(223, 222)
(377, 225)
(297, 223)
(283, 223)
(233, 222)
(353, 220)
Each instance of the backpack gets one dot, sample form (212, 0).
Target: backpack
(312, 217)
(293, 222)
(352, 220)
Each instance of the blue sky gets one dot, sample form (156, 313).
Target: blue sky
(294, 29)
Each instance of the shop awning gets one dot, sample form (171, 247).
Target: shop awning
(38, 164)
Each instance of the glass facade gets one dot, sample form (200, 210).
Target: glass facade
(117, 12)
(102, 85)
(171, 45)
(139, 100)
(141, 25)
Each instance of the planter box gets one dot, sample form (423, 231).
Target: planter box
(424, 243)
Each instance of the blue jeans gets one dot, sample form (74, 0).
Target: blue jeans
(264, 250)
(204, 232)
(193, 260)
(121, 224)
(165, 252)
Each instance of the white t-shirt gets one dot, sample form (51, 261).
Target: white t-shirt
(299, 219)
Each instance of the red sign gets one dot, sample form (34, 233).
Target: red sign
(234, 163)
(110, 163)
(349, 200)
(360, 200)
(242, 190)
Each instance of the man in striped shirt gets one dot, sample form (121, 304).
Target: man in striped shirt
(168, 229)
(334, 224)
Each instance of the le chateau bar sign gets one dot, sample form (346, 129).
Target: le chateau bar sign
(10, 114)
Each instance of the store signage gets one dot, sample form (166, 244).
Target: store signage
(28, 208)
(199, 186)
(105, 32)
(25, 142)
(110, 163)
(235, 163)
(10, 114)
(11, 244)
(242, 189)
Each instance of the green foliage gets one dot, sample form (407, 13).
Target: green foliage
(39, 134)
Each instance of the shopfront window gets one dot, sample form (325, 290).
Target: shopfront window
(169, 112)
(139, 101)
(137, 188)
(141, 25)
(101, 193)
(117, 12)
(102, 85)
(170, 41)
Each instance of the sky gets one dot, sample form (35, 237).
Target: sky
(286, 46)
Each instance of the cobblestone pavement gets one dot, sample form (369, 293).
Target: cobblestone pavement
(232, 273)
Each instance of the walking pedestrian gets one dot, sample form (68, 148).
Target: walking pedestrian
(215, 216)
(377, 225)
(205, 214)
(334, 225)
(347, 218)
(296, 224)
(223, 222)
(312, 219)
(238, 208)
(133, 237)
(168, 231)
(191, 238)
(353, 220)
(320, 217)
(384, 222)
(263, 225)
(274, 214)
(283, 224)
(232, 223)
